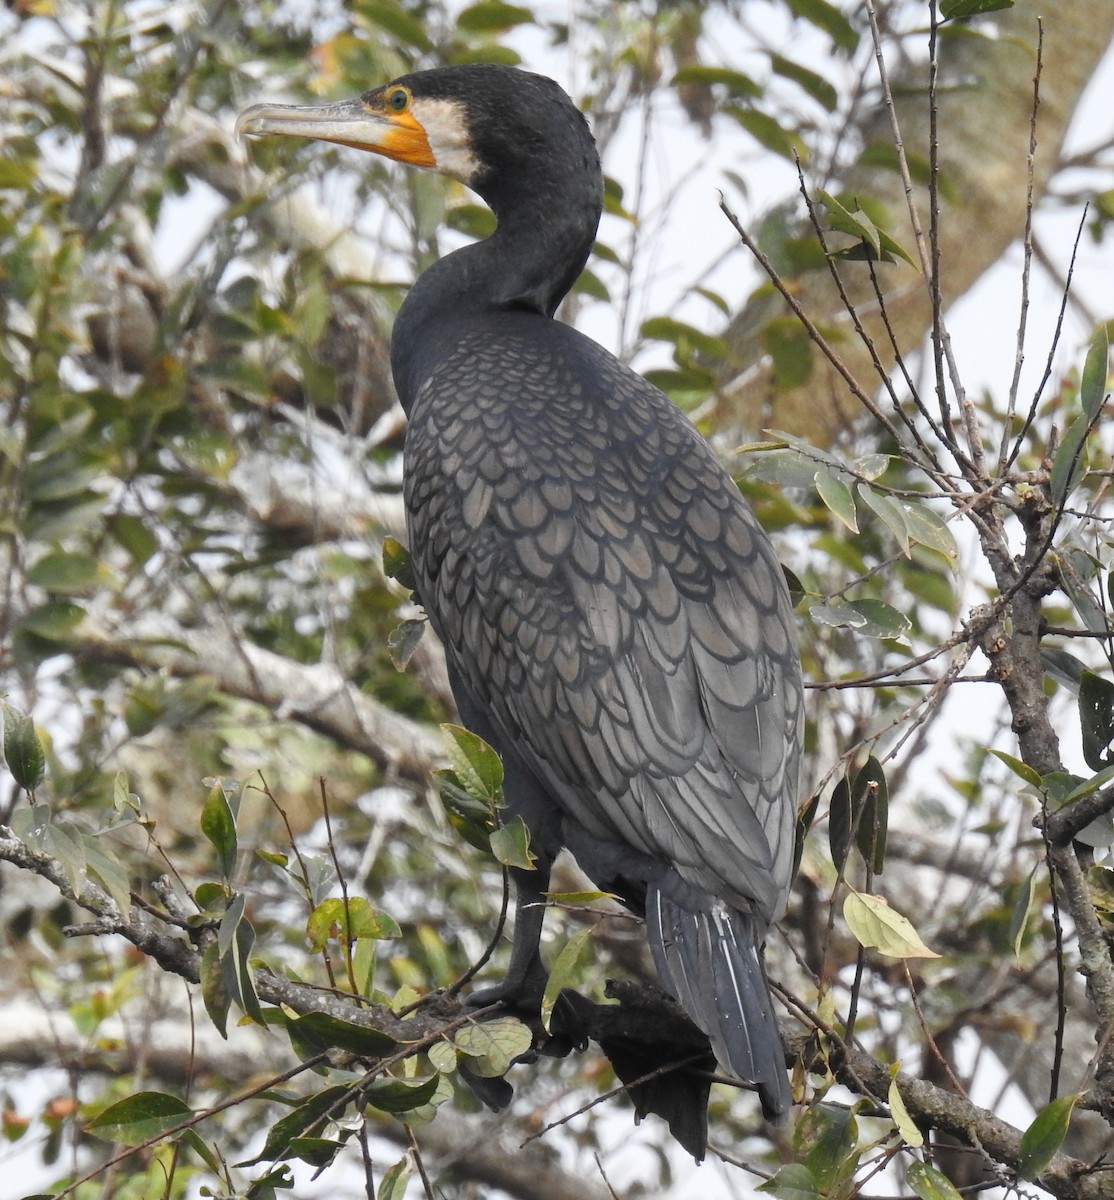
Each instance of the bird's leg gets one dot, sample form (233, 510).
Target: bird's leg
(524, 983)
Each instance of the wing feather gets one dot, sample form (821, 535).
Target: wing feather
(606, 593)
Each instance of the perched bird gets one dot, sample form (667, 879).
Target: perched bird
(615, 621)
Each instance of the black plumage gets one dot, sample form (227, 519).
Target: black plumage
(615, 620)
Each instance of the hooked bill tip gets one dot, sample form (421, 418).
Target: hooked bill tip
(248, 123)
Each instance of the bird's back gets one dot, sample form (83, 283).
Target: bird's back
(606, 595)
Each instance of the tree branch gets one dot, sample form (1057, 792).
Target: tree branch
(317, 695)
(974, 1126)
(984, 105)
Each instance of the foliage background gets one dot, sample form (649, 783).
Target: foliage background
(199, 464)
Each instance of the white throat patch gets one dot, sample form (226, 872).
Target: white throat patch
(446, 128)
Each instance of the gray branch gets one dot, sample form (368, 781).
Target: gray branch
(316, 695)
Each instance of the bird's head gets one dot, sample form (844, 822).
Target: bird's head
(483, 124)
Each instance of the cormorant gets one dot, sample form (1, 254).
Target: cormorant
(615, 621)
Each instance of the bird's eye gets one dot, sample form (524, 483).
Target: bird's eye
(398, 100)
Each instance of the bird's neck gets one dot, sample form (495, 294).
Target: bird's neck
(527, 265)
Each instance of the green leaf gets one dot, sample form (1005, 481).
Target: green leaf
(838, 497)
(806, 814)
(475, 764)
(684, 337)
(64, 843)
(794, 1181)
(235, 939)
(837, 615)
(1096, 715)
(891, 513)
(510, 844)
(403, 640)
(17, 174)
(475, 220)
(1045, 1136)
(61, 477)
(808, 449)
(23, 752)
(318, 1152)
(870, 798)
(393, 1095)
(910, 1134)
(873, 244)
(1100, 890)
(564, 971)
(958, 10)
(348, 920)
(1077, 575)
(443, 1057)
(396, 21)
(588, 283)
(927, 528)
(784, 465)
(872, 466)
(879, 620)
(769, 133)
(219, 826)
(1069, 460)
(214, 993)
(55, 620)
(363, 966)
(132, 534)
(209, 1155)
(736, 82)
(1092, 386)
(816, 86)
(1019, 914)
(855, 224)
(1018, 767)
(877, 926)
(790, 349)
(264, 1187)
(490, 16)
(212, 898)
(317, 1031)
(840, 821)
(68, 574)
(1057, 786)
(108, 869)
(826, 1137)
(308, 1120)
(1058, 798)
(395, 1180)
(930, 1184)
(828, 18)
(472, 791)
(474, 820)
(138, 1118)
(30, 822)
(494, 1045)
(397, 563)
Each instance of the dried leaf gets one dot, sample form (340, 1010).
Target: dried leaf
(877, 926)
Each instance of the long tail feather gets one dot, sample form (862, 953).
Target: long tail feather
(712, 963)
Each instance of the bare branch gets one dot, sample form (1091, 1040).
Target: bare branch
(317, 695)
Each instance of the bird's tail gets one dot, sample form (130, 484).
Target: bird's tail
(712, 963)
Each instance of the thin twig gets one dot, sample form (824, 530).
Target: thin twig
(1053, 346)
(1004, 457)
(346, 943)
(618, 1091)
